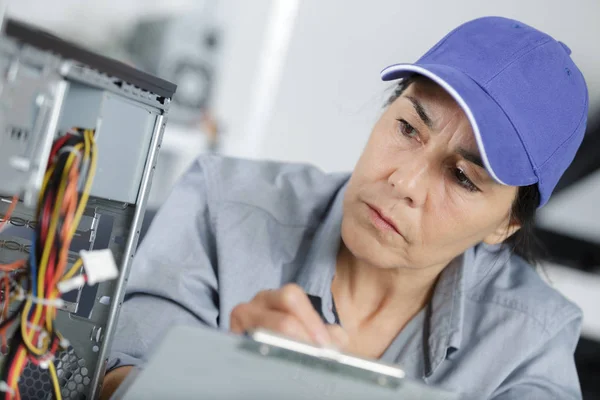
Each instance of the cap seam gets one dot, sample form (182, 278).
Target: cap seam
(544, 41)
(581, 119)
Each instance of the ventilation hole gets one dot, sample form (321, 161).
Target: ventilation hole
(27, 373)
(35, 374)
(80, 388)
(84, 371)
(86, 380)
(78, 378)
(38, 385)
(64, 392)
(81, 363)
(71, 385)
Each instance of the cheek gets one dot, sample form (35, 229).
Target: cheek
(383, 153)
(459, 223)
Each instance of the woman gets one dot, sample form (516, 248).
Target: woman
(419, 257)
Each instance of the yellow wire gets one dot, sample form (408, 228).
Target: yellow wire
(88, 184)
(51, 311)
(21, 358)
(54, 221)
(73, 270)
(89, 147)
(47, 177)
(25, 333)
(54, 378)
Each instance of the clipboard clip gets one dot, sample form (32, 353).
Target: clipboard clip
(270, 344)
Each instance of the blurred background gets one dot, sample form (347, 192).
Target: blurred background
(298, 80)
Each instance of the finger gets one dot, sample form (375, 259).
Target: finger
(339, 336)
(250, 316)
(292, 299)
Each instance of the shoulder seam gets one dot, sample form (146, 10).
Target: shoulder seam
(488, 300)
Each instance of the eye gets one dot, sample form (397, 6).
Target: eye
(407, 129)
(464, 180)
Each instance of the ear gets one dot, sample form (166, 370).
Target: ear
(503, 232)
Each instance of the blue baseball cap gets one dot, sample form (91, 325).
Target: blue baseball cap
(525, 98)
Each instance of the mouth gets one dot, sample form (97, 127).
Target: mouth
(381, 221)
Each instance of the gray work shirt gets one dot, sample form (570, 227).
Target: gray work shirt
(230, 228)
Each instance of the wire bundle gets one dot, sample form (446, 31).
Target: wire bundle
(71, 165)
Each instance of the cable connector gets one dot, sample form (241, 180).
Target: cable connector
(45, 363)
(99, 265)
(71, 284)
(64, 343)
(58, 302)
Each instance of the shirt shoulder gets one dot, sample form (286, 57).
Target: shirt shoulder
(517, 290)
(292, 193)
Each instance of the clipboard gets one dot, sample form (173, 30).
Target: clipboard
(203, 363)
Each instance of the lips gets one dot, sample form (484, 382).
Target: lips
(384, 218)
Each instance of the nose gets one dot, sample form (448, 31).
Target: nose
(409, 182)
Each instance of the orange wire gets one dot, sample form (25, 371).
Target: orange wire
(12, 266)
(10, 210)
(69, 207)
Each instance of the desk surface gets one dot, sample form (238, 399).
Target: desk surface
(193, 363)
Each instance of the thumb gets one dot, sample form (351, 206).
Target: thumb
(339, 336)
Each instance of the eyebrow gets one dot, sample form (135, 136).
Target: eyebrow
(421, 111)
(471, 157)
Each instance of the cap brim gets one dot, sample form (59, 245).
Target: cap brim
(502, 151)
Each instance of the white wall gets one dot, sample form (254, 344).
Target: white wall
(330, 93)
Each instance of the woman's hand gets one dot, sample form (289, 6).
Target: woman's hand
(287, 311)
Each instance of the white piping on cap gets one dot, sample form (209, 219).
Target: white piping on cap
(456, 96)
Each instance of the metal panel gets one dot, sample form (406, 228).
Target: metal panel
(129, 124)
(85, 328)
(132, 241)
(30, 103)
(123, 134)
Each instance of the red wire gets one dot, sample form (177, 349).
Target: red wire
(50, 269)
(57, 145)
(46, 217)
(12, 371)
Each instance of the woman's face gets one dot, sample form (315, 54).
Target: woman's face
(419, 195)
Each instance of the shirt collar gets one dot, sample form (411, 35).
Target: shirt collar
(443, 328)
(316, 275)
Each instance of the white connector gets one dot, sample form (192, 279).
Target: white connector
(99, 265)
(6, 389)
(71, 284)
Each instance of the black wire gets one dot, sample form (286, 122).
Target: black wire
(50, 192)
(15, 342)
(13, 316)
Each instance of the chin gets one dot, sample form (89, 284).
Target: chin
(366, 245)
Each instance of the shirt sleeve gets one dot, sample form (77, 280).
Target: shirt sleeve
(550, 372)
(173, 280)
